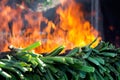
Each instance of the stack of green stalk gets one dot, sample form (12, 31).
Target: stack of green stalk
(80, 63)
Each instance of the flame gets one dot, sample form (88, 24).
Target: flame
(21, 27)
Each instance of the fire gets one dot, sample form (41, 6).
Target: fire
(21, 27)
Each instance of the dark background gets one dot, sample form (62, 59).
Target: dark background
(111, 20)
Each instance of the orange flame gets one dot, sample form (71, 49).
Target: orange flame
(21, 27)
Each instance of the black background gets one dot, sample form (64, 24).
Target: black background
(111, 17)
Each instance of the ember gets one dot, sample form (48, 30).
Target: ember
(21, 27)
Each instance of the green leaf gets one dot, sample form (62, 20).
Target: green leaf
(32, 46)
(100, 60)
(110, 77)
(86, 55)
(4, 74)
(108, 54)
(91, 59)
(73, 52)
(84, 68)
(56, 51)
(99, 76)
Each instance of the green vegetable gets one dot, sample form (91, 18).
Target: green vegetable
(91, 59)
(4, 74)
(109, 54)
(73, 52)
(56, 51)
(32, 46)
(81, 63)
